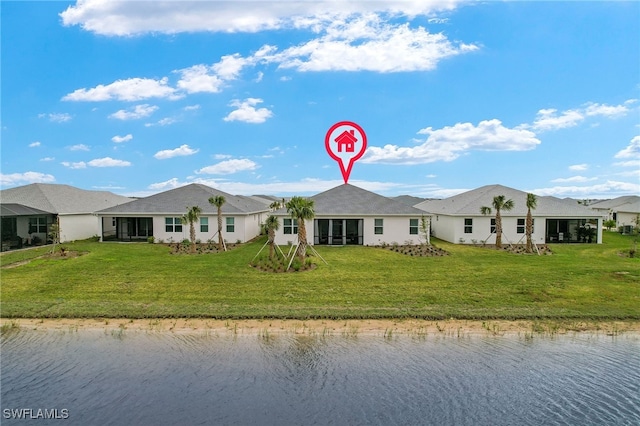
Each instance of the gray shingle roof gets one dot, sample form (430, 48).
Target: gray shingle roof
(626, 204)
(349, 200)
(14, 210)
(409, 199)
(176, 201)
(469, 204)
(60, 199)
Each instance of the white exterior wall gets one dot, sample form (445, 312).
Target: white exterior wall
(395, 229)
(78, 227)
(447, 228)
(252, 225)
(451, 229)
(283, 239)
(626, 219)
(245, 228)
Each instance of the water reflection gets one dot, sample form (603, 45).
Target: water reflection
(160, 378)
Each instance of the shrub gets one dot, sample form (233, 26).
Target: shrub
(151, 240)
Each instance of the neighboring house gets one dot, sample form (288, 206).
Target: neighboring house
(347, 215)
(458, 219)
(624, 210)
(409, 199)
(28, 212)
(159, 216)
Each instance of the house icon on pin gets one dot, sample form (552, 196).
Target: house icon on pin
(346, 141)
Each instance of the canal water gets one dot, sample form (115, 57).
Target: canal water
(90, 377)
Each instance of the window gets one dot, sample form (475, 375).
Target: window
(172, 224)
(413, 226)
(290, 226)
(231, 224)
(204, 224)
(468, 226)
(522, 225)
(378, 226)
(38, 225)
(493, 226)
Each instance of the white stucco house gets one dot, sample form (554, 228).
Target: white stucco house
(349, 215)
(159, 216)
(28, 211)
(458, 219)
(624, 210)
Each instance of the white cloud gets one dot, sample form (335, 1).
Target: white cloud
(34, 144)
(75, 165)
(609, 189)
(47, 159)
(162, 122)
(135, 113)
(449, 143)
(605, 110)
(229, 167)
(57, 117)
(168, 184)
(247, 112)
(25, 178)
(132, 89)
(574, 179)
(121, 139)
(127, 18)
(631, 163)
(98, 162)
(108, 162)
(181, 151)
(369, 44)
(221, 156)
(548, 119)
(198, 79)
(79, 147)
(632, 150)
(192, 107)
(578, 167)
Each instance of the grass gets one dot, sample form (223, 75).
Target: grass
(140, 280)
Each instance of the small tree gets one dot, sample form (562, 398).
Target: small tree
(425, 228)
(532, 202)
(499, 203)
(54, 233)
(609, 224)
(275, 205)
(301, 209)
(271, 225)
(191, 217)
(219, 201)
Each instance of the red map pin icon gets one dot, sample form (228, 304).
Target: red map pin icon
(345, 142)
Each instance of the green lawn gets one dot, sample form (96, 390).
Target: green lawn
(140, 280)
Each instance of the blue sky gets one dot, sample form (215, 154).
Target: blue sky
(143, 96)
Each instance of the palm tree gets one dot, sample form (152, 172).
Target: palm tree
(271, 225)
(532, 201)
(218, 201)
(499, 203)
(275, 205)
(190, 218)
(301, 209)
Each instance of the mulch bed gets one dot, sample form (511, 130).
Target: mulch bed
(201, 248)
(422, 250)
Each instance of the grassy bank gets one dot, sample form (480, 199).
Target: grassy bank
(114, 280)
